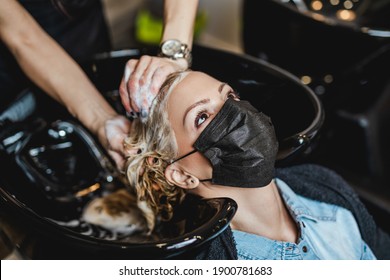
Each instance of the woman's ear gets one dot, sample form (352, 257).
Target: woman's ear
(180, 178)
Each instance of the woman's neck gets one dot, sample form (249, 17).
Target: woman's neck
(260, 211)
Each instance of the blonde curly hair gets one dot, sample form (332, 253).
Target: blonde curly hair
(156, 147)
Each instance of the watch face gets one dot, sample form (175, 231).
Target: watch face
(171, 47)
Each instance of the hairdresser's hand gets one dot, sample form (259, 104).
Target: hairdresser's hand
(112, 136)
(142, 80)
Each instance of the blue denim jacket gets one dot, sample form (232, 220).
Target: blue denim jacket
(327, 231)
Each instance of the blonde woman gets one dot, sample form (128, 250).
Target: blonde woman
(201, 139)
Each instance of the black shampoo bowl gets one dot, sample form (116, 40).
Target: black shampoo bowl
(52, 166)
(294, 108)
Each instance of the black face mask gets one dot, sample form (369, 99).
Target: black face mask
(241, 145)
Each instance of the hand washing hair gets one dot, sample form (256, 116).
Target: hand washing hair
(156, 146)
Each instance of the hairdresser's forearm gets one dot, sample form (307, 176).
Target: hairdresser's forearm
(179, 19)
(58, 75)
(51, 68)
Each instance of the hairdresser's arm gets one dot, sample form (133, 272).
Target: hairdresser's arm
(143, 78)
(179, 19)
(53, 70)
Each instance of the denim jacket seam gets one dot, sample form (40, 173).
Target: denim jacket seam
(247, 256)
(300, 210)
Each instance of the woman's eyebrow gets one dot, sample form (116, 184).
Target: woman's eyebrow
(196, 104)
(221, 87)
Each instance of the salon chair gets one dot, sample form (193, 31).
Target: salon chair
(52, 166)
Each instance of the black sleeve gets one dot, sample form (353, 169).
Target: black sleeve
(381, 248)
(221, 248)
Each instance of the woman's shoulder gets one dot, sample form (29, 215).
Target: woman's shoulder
(322, 184)
(325, 185)
(317, 182)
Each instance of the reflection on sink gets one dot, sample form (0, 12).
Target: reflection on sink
(64, 162)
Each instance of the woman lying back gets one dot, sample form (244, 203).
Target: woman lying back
(201, 139)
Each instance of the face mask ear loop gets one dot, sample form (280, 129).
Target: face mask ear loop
(186, 155)
(205, 180)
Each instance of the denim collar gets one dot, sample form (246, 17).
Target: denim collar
(296, 207)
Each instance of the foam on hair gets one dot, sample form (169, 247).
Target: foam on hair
(156, 146)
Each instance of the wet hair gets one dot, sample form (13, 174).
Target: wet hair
(156, 146)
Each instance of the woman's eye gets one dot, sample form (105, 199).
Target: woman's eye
(201, 118)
